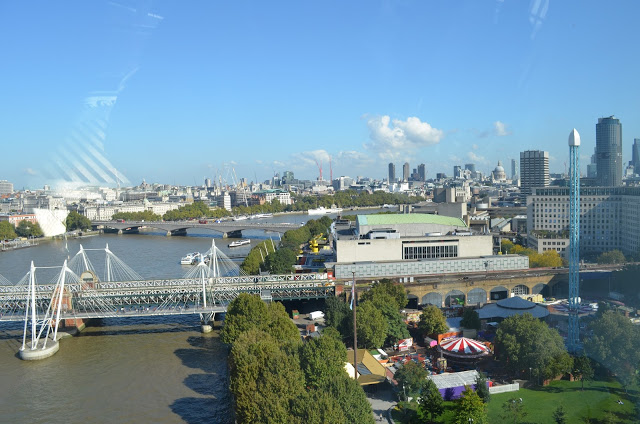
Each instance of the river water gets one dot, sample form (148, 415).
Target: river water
(122, 370)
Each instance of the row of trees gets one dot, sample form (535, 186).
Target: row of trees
(378, 317)
(75, 221)
(24, 229)
(264, 257)
(276, 378)
(137, 216)
(546, 259)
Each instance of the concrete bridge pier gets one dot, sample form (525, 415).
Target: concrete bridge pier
(206, 322)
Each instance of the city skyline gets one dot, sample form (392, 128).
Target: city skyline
(128, 90)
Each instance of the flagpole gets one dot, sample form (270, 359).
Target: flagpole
(355, 331)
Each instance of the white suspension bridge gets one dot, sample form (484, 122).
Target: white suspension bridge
(76, 294)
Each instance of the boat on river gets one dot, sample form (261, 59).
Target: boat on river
(190, 259)
(324, 211)
(239, 243)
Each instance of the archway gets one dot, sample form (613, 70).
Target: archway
(477, 296)
(432, 298)
(498, 293)
(542, 289)
(454, 297)
(413, 301)
(520, 289)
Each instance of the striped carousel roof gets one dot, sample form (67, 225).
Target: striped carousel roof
(463, 345)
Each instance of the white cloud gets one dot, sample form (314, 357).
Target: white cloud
(500, 129)
(476, 158)
(393, 138)
(30, 171)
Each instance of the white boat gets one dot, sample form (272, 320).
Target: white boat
(324, 211)
(240, 218)
(239, 243)
(261, 215)
(190, 259)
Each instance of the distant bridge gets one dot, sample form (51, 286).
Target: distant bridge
(180, 227)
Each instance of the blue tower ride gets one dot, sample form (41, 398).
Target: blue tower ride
(573, 339)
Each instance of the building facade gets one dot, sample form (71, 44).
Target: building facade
(609, 152)
(405, 171)
(422, 172)
(608, 218)
(6, 187)
(635, 156)
(534, 170)
(392, 173)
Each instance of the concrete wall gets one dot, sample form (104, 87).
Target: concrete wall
(349, 251)
(398, 268)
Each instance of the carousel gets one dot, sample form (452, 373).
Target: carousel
(462, 349)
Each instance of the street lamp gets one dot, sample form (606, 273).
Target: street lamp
(529, 373)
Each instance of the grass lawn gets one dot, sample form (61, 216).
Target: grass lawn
(598, 398)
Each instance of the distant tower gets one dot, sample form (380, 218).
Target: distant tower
(534, 170)
(405, 172)
(573, 339)
(457, 171)
(635, 156)
(471, 167)
(514, 169)
(392, 172)
(609, 152)
(422, 172)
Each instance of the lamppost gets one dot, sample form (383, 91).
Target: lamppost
(529, 373)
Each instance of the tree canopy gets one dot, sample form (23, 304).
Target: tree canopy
(611, 257)
(7, 231)
(432, 321)
(75, 221)
(524, 342)
(411, 379)
(470, 408)
(372, 326)
(29, 229)
(470, 319)
(615, 344)
(137, 216)
(384, 291)
(430, 403)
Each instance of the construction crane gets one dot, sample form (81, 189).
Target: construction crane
(319, 164)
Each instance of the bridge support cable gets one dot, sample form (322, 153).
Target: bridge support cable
(4, 281)
(117, 270)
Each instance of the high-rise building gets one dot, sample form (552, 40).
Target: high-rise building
(405, 171)
(457, 171)
(609, 152)
(534, 170)
(471, 167)
(6, 187)
(422, 172)
(392, 172)
(514, 169)
(592, 168)
(207, 182)
(635, 155)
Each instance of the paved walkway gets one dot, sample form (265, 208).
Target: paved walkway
(381, 399)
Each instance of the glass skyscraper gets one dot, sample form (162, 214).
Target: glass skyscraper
(609, 152)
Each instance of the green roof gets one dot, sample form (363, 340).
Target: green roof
(412, 218)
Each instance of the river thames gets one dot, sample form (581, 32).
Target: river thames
(156, 369)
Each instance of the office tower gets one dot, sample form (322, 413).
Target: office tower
(534, 170)
(6, 187)
(405, 172)
(592, 168)
(207, 182)
(471, 167)
(457, 171)
(392, 173)
(609, 152)
(635, 156)
(422, 172)
(514, 169)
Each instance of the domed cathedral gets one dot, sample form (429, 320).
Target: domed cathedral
(498, 174)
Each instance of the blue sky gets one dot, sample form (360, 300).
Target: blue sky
(174, 92)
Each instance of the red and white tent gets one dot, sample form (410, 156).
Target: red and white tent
(463, 346)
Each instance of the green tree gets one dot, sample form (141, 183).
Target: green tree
(338, 315)
(469, 408)
(470, 319)
(277, 323)
(385, 290)
(546, 259)
(264, 379)
(396, 327)
(351, 397)
(582, 369)
(615, 344)
(322, 358)
(560, 415)
(482, 388)
(29, 229)
(611, 257)
(524, 342)
(506, 246)
(316, 407)
(411, 379)
(7, 231)
(75, 221)
(432, 321)
(281, 261)
(372, 326)
(430, 402)
(513, 411)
